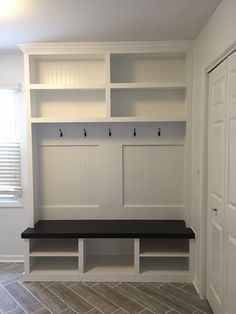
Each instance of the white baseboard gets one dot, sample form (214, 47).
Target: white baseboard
(12, 258)
(196, 284)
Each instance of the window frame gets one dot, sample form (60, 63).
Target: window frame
(17, 201)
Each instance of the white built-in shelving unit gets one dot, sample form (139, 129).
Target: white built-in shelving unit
(108, 259)
(109, 129)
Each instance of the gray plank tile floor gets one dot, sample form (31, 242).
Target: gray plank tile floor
(19, 297)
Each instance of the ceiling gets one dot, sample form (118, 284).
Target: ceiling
(103, 20)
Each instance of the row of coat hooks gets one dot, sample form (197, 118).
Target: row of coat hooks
(110, 133)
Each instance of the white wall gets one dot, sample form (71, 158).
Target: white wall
(11, 219)
(216, 37)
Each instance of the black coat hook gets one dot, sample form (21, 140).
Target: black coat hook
(159, 132)
(109, 132)
(85, 133)
(60, 133)
(134, 132)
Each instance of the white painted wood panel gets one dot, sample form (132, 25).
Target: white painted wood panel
(54, 247)
(164, 247)
(217, 161)
(230, 300)
(215, 271)
(216, 183)
(67, 175)
(54, 265)
(231, 197)
(109, 246)
(78, 69)
(147, 68)
(110, 174)
(108, 264)
(165, 265)
(147, 102)
(153, 175)
(68, 104)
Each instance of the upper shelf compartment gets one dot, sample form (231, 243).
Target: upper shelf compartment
(148, 68)
(61, 71)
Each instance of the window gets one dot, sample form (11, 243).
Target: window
(10, 151)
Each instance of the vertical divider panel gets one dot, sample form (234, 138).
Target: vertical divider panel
(111, 175)
(188, 136)
(191, 258)
(28, 158)
(107, 81)
(81, 255)
(136, 256)
(27, 256)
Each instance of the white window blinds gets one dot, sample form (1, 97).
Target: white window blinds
(10, 153)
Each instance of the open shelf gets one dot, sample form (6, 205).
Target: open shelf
(108, 120)
(147, 67)
(66, 86)
(54, 265)
(148, 103)
(168, 85)
(67, 69)
(78, 104)
(109, 264)
(115, 113)
(149, 265)
(164, 248)
(54, 247)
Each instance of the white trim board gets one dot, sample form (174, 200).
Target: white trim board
(11, 258)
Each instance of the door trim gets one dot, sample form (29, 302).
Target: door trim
(204, 180)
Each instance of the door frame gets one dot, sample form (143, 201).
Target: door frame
(204, 162)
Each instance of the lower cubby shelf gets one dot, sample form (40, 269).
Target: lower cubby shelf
(108, 252)
(54, 265)
(109, 264)
(158, 265)
(54, 247)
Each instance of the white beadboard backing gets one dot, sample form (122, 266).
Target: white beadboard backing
(63, 70)
(107, 171)
(98, 133)
(147, 103)
(112, 212)
(67, 175)
(109, 246)
(68, 103)
(137, 67)
(153, 175)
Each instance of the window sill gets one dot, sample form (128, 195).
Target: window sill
(11, 204)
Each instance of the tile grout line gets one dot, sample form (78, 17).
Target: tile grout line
(114, 312)
(136, 301)
(64, 310)
(119, 308)
(175, 298)
(171, 308)
(194, 306)
(44, 306)
(13, 299)
(93, 310)
(70, 307)
(181, 289)
(131, 299)
(94, 307)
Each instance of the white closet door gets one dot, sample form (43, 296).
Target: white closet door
(230, 190)
(216, 175)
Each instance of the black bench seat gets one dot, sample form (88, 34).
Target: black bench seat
(163, 229)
